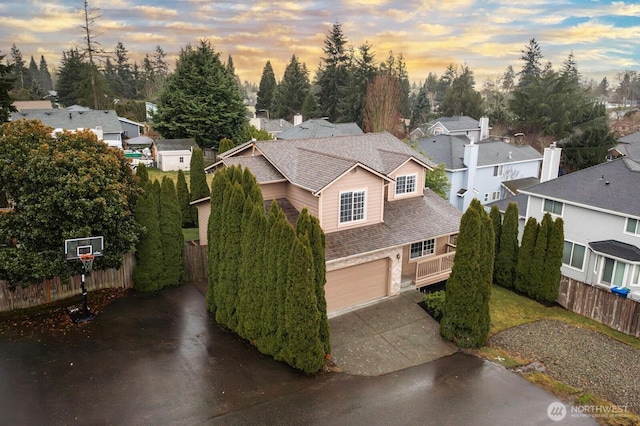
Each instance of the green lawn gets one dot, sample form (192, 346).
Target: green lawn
(157, 174)
(190, 234)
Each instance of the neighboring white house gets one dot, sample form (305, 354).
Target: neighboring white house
(488, 170)
(273, 127)
(460, 125)
(101, 122)
(173, 154)
(600, 207)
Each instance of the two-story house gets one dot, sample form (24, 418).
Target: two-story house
(474, 130)
(384, 231)
(600, 207)
(488, 170)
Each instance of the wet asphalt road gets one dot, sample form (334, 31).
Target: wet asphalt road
(159, 360)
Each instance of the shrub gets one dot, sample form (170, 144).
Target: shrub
(434, 303)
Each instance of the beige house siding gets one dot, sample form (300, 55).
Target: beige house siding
(204, 210)
(301, 198)
(409, 168)
(409, 265)
(272, 191)
(355, 180)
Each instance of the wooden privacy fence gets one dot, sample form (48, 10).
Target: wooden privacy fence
(195, 262)
(601, 305)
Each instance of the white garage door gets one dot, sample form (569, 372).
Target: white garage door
(356, 284)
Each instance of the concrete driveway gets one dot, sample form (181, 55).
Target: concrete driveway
(387, 336)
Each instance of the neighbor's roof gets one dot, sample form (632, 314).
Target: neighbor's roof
(259, 166)
(405, 221)
(514, 186)
(521, 200)
(30, 105)
(275, 125)
(319, 128)
(616, 249)
(457, 124)
(629, 145)
(72, 120)
(141, 140)
(449, 150)
(175, 144)
(314, 163)
(610, 186)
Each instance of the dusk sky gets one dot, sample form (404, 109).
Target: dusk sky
(487, 35)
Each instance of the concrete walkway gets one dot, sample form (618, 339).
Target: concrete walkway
(387, 336)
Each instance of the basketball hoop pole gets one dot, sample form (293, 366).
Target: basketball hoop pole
(85, 250)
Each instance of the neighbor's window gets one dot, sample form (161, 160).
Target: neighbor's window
(635, 278)
(554, 207)
(486, 197)
(406, 184)
(498, 170)
(352, 206)
(423, 248)
(613, 272)
(633, 226)
(573, 255)
(495, 195)
(181, 159)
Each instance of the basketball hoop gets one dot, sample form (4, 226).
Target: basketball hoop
(87, 261)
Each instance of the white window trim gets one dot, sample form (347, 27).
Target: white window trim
(635, 274)
(626, 224)
(625, 275)
(500, 170)
(415, 184)
(553, 201)
(364, 208)
(422, 255)
(495, 195)
(584, 256)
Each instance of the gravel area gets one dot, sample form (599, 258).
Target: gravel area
(587, 360)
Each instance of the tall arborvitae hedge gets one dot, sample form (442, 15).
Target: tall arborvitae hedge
(148, 270)
(485, 279)
(156, 188)
(225, 145)
(142, 174)
(507, 249)
(525, 256)
(496, 221)
(303, 348)
(197, 180)
(553, 263)
(460, 320)
(214, 231)
(171, 236)
(536, 271)
(184, 198)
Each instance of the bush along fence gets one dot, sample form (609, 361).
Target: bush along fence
(195, 261)
(600, 305)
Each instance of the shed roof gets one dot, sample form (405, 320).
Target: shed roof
(175, 144)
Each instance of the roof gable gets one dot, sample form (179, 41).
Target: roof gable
(72, 120)
(457, 123)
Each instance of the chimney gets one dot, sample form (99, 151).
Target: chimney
(470, 160)
(297, 119)
(550, 163)
(484, 128)
(256, 122)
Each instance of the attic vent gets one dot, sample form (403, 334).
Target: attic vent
(106, 112)
(80, 112)
(69, 116)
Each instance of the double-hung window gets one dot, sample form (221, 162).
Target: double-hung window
(406, 184)
(422, 248)
(573, 255)
(633, 226)
(498, 170)
(553, 207)
(352, 206)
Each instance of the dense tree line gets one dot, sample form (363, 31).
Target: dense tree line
(266, 278)
(160, 250)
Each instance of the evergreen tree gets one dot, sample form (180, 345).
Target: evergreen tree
(186, 209)
(437, 181)
(532, 66)
(45, 76)
(507, 254)
(215, 236)
(303, 348)
(361, 71)
(421, 108)
(460, 320)
(487, 256)
(525, 255)
(282, 283)
(331, 76)
(147, 274)
(216, 109)
(156, 188)
(309, 106)
(6, 83)
(267, 88)
(291, 92)
(496, 221)
(171, 235)
(461, 98)
(537, 270)
(198, 181)
(143, 175)
(553, 263)
(225, 145)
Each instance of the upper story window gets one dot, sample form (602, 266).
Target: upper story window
(495, 195)
(633, 226)
(352, 206)
(423, 248)
(573, 255)
(498, 170)
(406, 184)
(553, 207)
(181, 159)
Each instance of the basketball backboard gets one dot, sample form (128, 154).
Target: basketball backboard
(76, 247)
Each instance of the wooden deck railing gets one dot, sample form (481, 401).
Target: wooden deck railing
(434, 269)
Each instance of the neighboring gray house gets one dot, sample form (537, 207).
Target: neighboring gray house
(628, 146)
(104, 123)
(320, 128)
(460, 125)
(487, 170)
(600, 207)
(173, 154)
(130, 128)
(273, 127)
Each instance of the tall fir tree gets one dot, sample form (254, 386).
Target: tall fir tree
(171, 235)
(266, 89)
(507, 254)
(525, 255)
(292, 90)
(6, 83)
(184, 198)
(331, 76)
